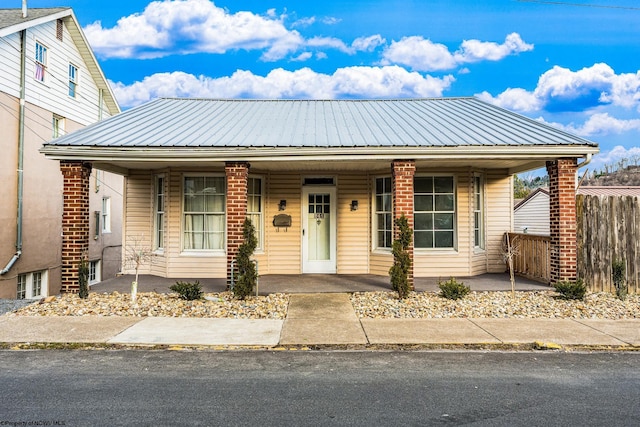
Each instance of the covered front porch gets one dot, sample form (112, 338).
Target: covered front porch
(320, 283)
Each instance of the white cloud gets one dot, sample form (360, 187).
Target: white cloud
(304, 56)
(598, 125)
(424, 55)
(368, 44)
(513, 99)
(187, 26)
(476, 50)
(563, 89)
(419, 54)
(361, 82)
(614, 156)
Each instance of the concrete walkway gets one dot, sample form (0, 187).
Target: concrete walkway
(322, 319)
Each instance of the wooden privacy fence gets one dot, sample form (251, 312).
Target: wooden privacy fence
(531, 256)
(608, 229)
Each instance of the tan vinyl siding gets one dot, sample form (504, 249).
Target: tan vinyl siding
(353, 226)
(137, 218)
(282, 246)
(499, 217)
(380, 263)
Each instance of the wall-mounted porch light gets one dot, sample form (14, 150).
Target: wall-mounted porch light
(282, 205)
(354, 205)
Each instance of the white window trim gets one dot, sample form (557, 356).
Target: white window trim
(483, 209)
(202, 252)
(374, 216)
(44, 284)
(157, 249)
(261, 243)
(442, 251)
(105, 214)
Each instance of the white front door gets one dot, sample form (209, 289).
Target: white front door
(319, 229)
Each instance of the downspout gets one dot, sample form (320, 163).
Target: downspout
(585, 163)
(23, 60)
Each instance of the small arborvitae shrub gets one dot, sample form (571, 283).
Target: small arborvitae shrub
(452, 289)
(188, 291)
(571, 290)
(247, 273)
(618, 268)
(83, 278)
(399, 271)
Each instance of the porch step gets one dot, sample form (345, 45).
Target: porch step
(315, 319)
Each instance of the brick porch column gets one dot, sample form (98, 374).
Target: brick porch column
(75, 220)
(562, 218)
(402, 172)
(237, 182)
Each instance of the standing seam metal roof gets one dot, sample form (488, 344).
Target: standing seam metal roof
(436, 122)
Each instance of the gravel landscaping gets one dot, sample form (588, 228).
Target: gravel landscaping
(538, 304)
(378, 305)
(218, 305)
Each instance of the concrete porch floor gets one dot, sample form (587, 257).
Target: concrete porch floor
(318, 283)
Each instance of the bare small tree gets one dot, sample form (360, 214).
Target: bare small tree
(136, 254)
(510, 249)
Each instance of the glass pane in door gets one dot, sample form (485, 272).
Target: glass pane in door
(319, 218)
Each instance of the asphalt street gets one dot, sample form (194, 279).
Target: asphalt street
(269, 388)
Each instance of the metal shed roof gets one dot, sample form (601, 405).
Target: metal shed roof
(438, 122)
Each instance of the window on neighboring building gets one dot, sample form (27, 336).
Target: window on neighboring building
(106, 215)
(203, 213)
(158, 224)
(434, 212)
(21, 292)
(32, 285)
(73, 80)
(478, 212)
(254, 208)
(41, 62)
(94, 272)
(58, 126)
(383, 214)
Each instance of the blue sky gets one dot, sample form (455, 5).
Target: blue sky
(572, 64)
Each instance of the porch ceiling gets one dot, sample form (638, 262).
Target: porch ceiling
(512, 165)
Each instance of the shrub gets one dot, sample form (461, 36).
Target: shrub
(399, 271)
(452, 289)
(188, 291)
(618, 268)
(571, 290)
(83, 279)
(247, 274)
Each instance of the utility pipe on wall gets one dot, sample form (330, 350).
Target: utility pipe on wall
(23, 60)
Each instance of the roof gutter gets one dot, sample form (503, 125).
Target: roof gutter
(20, 172)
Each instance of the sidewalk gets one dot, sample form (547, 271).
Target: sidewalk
(320, 320)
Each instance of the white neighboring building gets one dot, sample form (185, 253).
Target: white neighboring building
(50, 84)
(531, 214)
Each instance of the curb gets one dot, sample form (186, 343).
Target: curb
(513, 347)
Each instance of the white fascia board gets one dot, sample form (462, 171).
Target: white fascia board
(35, 22)
(199, 154)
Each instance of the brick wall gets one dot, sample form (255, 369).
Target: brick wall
(562, 219)
(237, 181)
(402, 172)
(75, 220)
